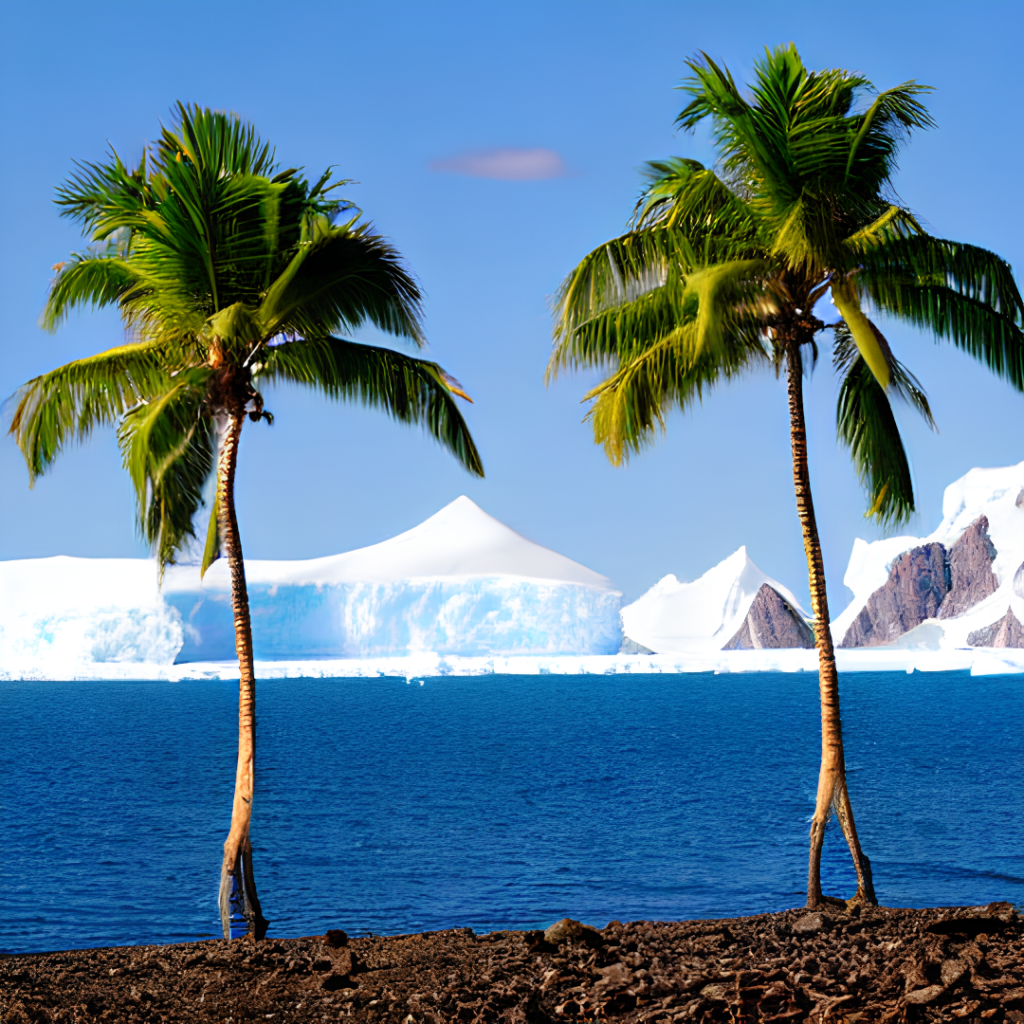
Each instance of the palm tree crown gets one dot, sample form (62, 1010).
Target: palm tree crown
(720, 270)
(229, 273)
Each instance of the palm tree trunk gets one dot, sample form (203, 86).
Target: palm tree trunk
(236, 875)
(832, 790)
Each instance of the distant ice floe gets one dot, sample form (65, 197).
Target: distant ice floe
(428, 666)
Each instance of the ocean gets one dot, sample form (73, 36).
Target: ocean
(390, 805)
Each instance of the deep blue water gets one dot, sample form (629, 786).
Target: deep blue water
(386, 806)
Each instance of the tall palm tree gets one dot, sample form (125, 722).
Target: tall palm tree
(229, 273)
(719, 273)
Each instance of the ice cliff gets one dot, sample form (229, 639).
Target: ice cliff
(459, 583)
(57, 613)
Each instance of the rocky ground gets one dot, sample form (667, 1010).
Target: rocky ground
(859, 965)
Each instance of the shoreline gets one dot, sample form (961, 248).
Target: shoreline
(977, 661)
(855, 965)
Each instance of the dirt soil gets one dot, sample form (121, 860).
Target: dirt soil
(864, 965)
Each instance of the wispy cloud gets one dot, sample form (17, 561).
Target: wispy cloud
(509, 164)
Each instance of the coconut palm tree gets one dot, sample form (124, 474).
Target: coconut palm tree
(229, 273)
(720, 272)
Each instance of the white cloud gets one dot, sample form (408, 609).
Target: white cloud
(508, 164)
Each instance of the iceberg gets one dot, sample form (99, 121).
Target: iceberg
(57, 613)
(460, 583)
(704, 616)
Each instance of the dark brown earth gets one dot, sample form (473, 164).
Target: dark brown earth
(861, 965)
(770, 623)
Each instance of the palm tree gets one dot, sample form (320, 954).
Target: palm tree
(229, 273)
(719, 273)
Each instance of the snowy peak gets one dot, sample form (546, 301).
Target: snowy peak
(976, 551)
(674, 617)
(458, 542)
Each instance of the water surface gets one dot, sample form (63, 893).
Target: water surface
(390, 806)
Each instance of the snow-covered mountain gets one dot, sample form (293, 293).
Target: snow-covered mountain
(705, 615)
(459, 583)
(950, 586)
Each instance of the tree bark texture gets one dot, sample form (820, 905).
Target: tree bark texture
(236, 874)
(832, 792)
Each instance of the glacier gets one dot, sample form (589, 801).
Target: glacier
(459, 583)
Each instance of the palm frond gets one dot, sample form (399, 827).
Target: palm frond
(962, 293)
(686, 196)
(168, 447)
(631, 406)
(410, 390)
(728, 294)
(866, 425)
(927, 261)
(71, 401)
(89, 280)
(614, 334)
(864, 333)
(883, 126)
(342, 277)
(894, 224)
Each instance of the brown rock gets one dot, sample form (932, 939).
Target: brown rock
(809, 924)
(568, 930)
(616, 976)
(771, 623)
(917, 585)
(630, 646)
(970, 570)
(752, 968)
(1007, 632)
(718, 991)
(924, 996)
(952, 971)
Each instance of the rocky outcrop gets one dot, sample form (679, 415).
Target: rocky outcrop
(771, 622)
(632, 647)
(928, 582)
(1007, 632)
(917, 585)
(970, 570)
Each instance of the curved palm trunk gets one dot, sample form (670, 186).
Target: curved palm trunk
(237, 881)
(832, 776)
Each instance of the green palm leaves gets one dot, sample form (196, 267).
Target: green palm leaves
(720, 270)
(227, 272)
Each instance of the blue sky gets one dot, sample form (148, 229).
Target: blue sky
(415, 101)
